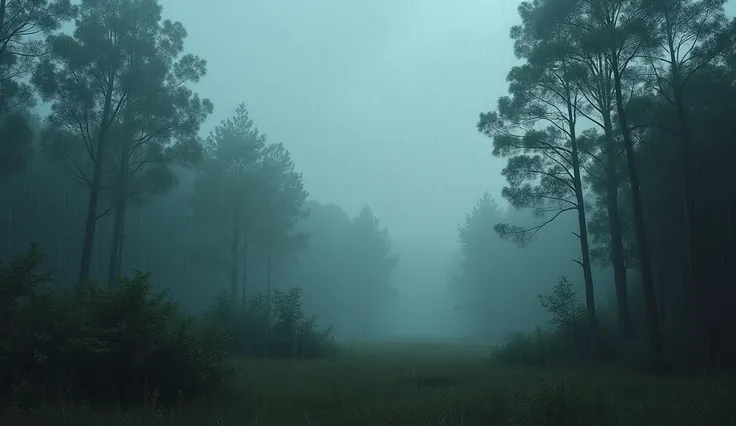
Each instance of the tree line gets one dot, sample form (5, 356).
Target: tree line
(117, 176)
(620, 114)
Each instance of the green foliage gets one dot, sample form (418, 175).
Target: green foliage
(346, 269)
(20, 22)
(249, 193)
(16, 137)
(280, 330)
(126, 63)
(563, 304)
(565, 342)
(403, 384)
(127, 345)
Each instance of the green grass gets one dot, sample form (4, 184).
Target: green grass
(423, 384)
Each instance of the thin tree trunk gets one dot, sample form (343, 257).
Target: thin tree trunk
(244, 280)
(90, 226)
(116, 251)
(269, 268)
(121, 204)
(645, 268)
(614, 226)
(2, 36)
(234, 254)
(690, 163)
(583, 226)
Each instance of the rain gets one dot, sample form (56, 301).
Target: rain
(390, 212)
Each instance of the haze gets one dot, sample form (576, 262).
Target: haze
(376, 101)
(377, 104)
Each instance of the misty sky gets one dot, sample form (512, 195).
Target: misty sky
(377, 101)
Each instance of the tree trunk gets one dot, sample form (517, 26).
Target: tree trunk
(234, 254)
(269, 271)
(90, 226)
(645, 268)
(118, 237)
(2, 32)
(690, 163)
(583, 226)
(244, 281)
(2, 51)
(121, 205)
(614, 226)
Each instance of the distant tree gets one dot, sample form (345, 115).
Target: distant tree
(225, 191)
(282, 196)
(254, 188)
(479, 264)
(369, 266)
(320, 269)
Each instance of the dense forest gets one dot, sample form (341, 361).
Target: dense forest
(117, 177)
(620, 114)
(133, 238)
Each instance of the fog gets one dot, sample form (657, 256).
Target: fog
(377, 103)
(528, 204)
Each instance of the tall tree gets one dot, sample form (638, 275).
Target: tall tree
(686, 39)
(369, 266)
(544, 170)
(620, 31)
(595, 83)
(282, 197)
(476, 272)
(225, 191)
(87, 77)
(21, 21)
(158, 124)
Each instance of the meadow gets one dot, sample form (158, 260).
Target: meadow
(391, 383)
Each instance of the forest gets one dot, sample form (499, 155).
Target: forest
(155, 272)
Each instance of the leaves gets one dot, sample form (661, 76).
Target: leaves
(16, 137)
(255, 184)
(89, 341)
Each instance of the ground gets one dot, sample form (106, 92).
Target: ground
(407, 384)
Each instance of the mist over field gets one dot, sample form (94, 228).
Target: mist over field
(398, 197)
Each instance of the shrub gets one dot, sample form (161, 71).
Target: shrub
(567, 340)
(125, 344)
(272, 328)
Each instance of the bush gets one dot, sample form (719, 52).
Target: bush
(280, 330)
(567, 341)
(127, 344)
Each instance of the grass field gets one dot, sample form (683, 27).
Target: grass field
(409, 384)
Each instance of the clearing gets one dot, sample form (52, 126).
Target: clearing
(407, 384)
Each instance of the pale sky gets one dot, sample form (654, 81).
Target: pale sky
(377, 101)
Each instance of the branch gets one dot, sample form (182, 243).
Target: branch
(533, 230)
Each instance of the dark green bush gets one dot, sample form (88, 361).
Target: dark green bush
(567, 340)
(274, 328)
(127, 344)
